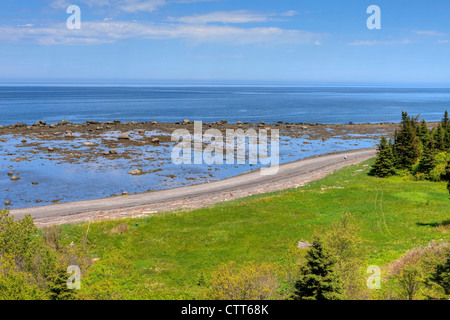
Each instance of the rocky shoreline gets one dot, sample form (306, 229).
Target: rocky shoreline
(140, 150)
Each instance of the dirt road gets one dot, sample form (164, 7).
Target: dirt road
(290, 175)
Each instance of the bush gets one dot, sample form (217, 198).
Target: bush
(249, 282)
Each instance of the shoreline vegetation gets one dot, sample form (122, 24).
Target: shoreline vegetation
(258, 247)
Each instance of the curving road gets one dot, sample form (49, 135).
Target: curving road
(299, 169)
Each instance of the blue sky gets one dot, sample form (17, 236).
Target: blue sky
(284, 41)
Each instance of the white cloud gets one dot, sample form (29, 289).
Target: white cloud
(429, 33)
(112, 31)
(236, 16)
(378, 42)
(128, 6)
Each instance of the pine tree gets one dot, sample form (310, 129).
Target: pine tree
(407, 144)
(428, 160)
(319, 280)
(439, 137)
(384, 164)
(58, 286)
(441, 275)
(423, 133)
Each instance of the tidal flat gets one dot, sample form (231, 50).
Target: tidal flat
(44, 164)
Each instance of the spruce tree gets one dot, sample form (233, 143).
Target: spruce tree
(384, 164)
(407, 144)
(441, 276)
(428, 160)
(319, 280)
(439, 137)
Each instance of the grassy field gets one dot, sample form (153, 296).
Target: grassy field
(168, 255)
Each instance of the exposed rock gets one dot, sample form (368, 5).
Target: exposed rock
(155, 140)
(153, 122)
(125, 193)
(112, 151)
(53, 125)
(7, 203)
(304, 245)
(35, 183)
(15, 178)
(186, 121)
(116, 121)
(136, 172)
(89, 144)
(124, 136)
(50, 149)
(223, 121)
(141, 131)
(10, 174)
(42, 122)
(64, 122)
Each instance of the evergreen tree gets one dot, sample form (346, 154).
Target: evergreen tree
(58, 286)
(442, 275)
(407, 144)
(439, 137)
(423, 133)
(428, 160)
(446, 121)
(384, 164)
(319, 280)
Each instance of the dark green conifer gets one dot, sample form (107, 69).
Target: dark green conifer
(407, 144)
(319, 280)
(384, 164)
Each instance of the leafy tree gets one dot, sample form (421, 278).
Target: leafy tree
(384, 164)
(318, 280)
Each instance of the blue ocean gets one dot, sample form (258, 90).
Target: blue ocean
(329, 105)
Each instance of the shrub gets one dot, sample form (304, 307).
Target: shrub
(249, 282)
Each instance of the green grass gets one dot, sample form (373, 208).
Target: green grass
(166, 254)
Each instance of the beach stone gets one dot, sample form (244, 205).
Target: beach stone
(141, 131)
(153, 122)
(112, 151)
(50, 149)
(92, 122)
(108, 127)
(110, 122)
(53, 125)
(136, 172)
(186, 121)
(7, 203)
(125, 193)
(116, 121)
(89, 144)
(10, 174)
(155, 140)
(133, 122)
(42, 122)
(24, 141)
(99, 128)
(35, 183)
(28, 127)
(20, 125)
(124, 136)
(64, 122)
(68, 134)
(223, 121)
(239, 122)
(15, 178)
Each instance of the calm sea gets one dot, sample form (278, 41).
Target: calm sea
(169, 104)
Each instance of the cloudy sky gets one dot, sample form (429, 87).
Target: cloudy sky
(300, 41)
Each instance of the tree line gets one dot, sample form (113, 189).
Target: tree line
(416, 149)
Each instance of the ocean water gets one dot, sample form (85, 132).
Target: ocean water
(264, 103)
